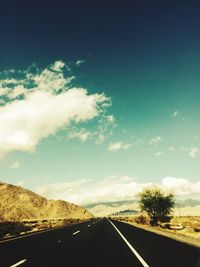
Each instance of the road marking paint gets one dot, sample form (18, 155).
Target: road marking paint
(88, 225)
(18, 263)
(33, 233)
(76, 232)
(130, 246)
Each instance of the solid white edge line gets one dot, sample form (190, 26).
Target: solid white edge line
(18, 263)
(76, 232)
(130, 246)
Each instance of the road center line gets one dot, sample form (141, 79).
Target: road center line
(76, 232)
(131, 247)
(18, 263)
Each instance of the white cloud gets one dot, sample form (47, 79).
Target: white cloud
(58, 65)
(100, 139)
(80, 61)
(28, 121)
(175, 114)
(110, 118)
(158, 154)
(118, 146)
(181, 186)
(155, 140)
(50, 81)
(84, 192)
(17, 91)
(113, 188)
(98, 132)
(81, 134)
(49, 105)
(193, 152)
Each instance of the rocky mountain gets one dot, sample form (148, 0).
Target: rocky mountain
(188, 203)
(17, 203)
(107, 208)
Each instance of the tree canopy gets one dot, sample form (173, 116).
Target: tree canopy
(157, 203)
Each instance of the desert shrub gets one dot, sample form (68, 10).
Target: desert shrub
(13, 228)
(165, 218)
(142, 219)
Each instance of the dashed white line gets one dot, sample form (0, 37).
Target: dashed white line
(75, 233)
(131, 247)
(18, 263)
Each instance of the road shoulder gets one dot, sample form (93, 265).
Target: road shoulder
(173, 235)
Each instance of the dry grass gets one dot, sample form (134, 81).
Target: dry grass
(187, 221)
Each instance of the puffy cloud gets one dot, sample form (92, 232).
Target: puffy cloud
(175, 114)
(193, 152)
(51, 81)
(81, 134)
(19, 90)
(98, 132)
(48, 103)
(80, 61)
(118, 146)
(58, 65)
(110, 118)
(100, 139)
(158, 154)
(155, 140)
(181, 186)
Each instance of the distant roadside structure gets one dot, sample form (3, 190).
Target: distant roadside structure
(128, 212)
(187, 211)
(187, 208)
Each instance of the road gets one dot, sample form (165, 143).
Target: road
(98, 243)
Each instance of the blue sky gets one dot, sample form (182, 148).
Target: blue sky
(98, 100)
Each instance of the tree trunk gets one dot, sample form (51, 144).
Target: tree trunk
(154, 220)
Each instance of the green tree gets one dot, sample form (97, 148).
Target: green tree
(157, 203)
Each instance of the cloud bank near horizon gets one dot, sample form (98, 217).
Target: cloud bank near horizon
(114, 188)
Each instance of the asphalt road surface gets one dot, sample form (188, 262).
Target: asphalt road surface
(98, 243)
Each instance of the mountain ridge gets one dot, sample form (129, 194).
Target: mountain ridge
(18, 203)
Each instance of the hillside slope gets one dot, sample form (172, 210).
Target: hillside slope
(17, 203)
